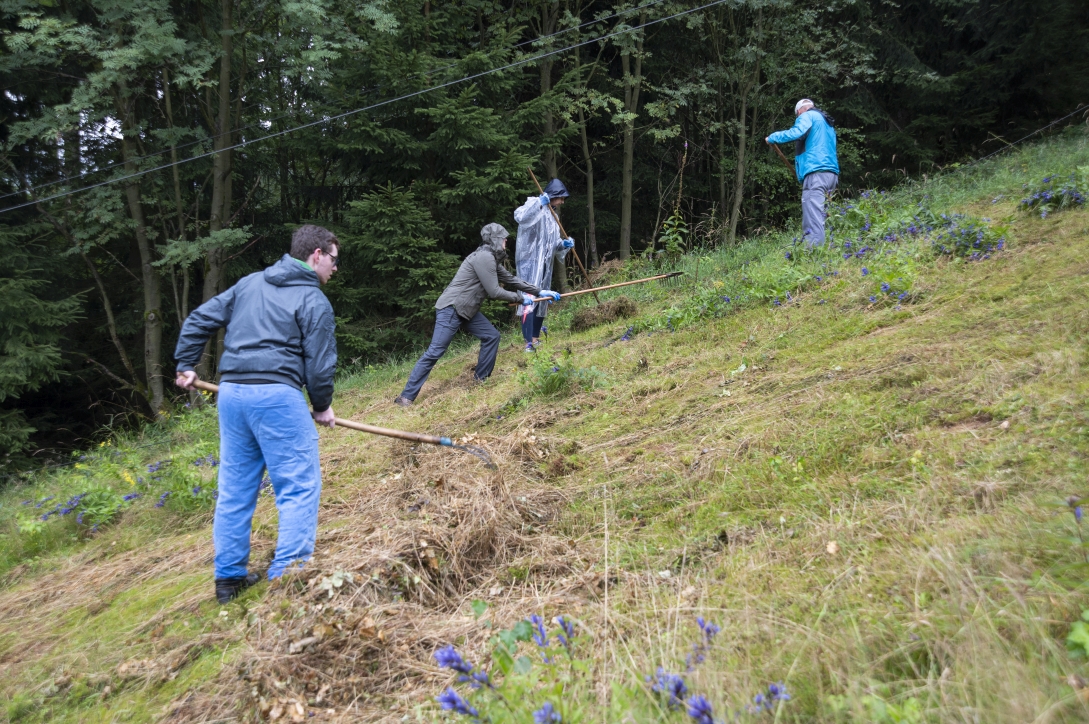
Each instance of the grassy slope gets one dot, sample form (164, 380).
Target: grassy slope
(929, 444)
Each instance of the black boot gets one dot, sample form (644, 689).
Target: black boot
(228, 588)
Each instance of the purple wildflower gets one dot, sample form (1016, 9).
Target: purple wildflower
(672, 686)
(700, 710)
(450, 700)
(547, 714)
(448, 658)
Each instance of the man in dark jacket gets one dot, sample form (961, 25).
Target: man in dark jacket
(478, 278)
(280, 338)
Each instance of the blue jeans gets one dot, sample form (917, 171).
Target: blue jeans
(265, 426)
(447, 324)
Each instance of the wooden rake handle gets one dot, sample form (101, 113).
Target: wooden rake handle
(556, 216)
(608, 286)
(785, 160)
(362, 427)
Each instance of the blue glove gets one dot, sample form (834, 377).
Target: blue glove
(549, 293)
(544, 199)
(568, 243)
(527, 300)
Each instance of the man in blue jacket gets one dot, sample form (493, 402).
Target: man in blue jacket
(280, 338)
(815, 164)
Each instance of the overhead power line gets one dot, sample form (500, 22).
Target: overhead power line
(371, 91)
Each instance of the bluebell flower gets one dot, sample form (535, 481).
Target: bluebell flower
(726, 299)
(700, 710)
(778, 692)
(27, 502)
(162, 499)
(902, 295)
(885, 286)
(872, 299)
(547, 714)
(540, 636)
(450, 700)
(777, 303)
(788, 256)
(709, 629)
(865, 271)
(131, 496)
(79, 518)
(670, 685)
(817, 278)
(1077, 513)
(567, 631)
(196, 490)
(448, 658)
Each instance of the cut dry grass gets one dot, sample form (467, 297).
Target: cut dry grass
(589, 317)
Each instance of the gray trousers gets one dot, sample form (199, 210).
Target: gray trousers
(815, 188)
(447, 324)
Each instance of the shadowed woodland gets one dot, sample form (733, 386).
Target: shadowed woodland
(405, 126)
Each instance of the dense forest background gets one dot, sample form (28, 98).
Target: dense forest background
(154, 151)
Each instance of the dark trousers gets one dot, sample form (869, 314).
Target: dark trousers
(531, 328)
(447, 324)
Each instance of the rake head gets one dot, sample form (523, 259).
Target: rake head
(668, 279)
(478, 452)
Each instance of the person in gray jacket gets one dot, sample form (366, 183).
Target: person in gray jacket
(280, 338)
(458, 307)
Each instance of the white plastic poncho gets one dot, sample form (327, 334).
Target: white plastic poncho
(538, 244)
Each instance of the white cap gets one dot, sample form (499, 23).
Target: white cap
(803, 102)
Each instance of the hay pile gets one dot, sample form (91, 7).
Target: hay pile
(610, 311)
(353, 634)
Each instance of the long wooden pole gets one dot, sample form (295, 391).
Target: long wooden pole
(788, 163)
(609, 286)
(372, 429)
(555, 216)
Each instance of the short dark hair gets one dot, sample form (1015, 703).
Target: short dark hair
(308, 237)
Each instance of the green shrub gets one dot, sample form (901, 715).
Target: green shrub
(548, 377)
(1054, 194)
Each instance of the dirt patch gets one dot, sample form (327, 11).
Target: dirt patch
(610, 311)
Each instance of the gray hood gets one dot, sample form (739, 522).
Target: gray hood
(493, 235)
(289, 272)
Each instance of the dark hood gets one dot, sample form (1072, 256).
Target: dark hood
(556, 189)
(289, 272)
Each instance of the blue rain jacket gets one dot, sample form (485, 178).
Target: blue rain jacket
(820, 144)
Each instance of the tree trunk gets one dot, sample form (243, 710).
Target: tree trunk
(721, 155)
(221, 175)
(632, 82)
(591, 224)
(221, 163)
(149, 275)
(742, 141)
(739, 173)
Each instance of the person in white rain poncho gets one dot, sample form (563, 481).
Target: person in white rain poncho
(538, 244)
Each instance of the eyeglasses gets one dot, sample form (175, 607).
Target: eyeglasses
(334, 257)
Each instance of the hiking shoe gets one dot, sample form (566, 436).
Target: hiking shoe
(228, 588)
(402, 401)
(529, 347)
